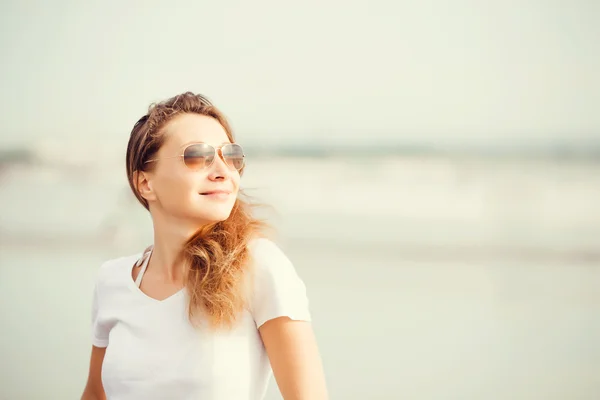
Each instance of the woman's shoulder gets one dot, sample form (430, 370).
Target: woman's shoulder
(278, 289)
(266, 252)
(112, 268)
(269, 260)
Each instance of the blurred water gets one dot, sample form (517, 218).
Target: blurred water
(429, 277)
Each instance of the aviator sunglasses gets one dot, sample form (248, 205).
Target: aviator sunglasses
(198, 156)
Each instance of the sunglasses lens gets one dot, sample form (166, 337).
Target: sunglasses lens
(198, 156)
(233, 154)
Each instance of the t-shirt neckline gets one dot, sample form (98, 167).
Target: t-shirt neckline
(145, 259)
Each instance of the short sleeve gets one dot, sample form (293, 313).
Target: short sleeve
(278, 290)
(99, 328)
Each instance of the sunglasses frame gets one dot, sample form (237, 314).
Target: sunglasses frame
(218, 153)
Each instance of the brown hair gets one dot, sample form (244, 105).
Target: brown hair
(216, 257)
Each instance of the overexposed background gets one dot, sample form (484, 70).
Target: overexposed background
(433, 168)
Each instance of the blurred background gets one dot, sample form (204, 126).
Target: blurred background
(433, 169)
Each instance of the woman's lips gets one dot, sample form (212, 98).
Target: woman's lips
(216, 194)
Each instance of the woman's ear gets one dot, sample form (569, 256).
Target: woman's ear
(144, 185)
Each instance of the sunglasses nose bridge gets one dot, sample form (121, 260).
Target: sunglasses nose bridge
(218, 153)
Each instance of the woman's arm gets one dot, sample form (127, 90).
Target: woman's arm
(93, 388)
(295, 359)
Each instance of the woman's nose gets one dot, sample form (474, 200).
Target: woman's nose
(219, 168)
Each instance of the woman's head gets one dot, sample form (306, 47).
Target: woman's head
(183, 162)
(184, 166)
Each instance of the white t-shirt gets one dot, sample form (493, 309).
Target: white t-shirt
(153, 352)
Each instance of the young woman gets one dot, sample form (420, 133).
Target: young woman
(212, 308)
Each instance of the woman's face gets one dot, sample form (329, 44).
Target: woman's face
(200, 196)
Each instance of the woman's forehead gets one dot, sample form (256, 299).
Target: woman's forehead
(190, 128)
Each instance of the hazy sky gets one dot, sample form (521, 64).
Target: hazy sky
(444, 72)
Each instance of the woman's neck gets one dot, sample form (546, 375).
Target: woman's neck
(170, 237)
